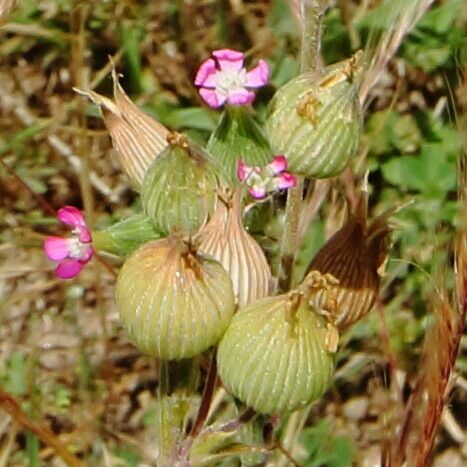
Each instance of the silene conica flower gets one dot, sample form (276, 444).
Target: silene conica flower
(74, 252)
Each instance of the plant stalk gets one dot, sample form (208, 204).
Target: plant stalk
(312, 13)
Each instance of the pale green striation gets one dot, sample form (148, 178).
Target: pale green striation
(173, 302)
(179, 189)
(274, 357)
(315, 121)
(238, 137)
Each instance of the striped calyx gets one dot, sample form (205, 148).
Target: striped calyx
(315, 120)
(224, 237)
(136, 137)
(355, 256)
(275, 355)
(180, 188)
(174, 302)
(238, 137)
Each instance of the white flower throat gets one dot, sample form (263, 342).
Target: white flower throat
(77, 249)
(230, 80)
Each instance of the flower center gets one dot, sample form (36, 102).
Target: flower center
(230, 80)
(77, 249)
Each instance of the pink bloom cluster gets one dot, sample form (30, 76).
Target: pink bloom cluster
(74, 252)
(265, 180)
(224, 79)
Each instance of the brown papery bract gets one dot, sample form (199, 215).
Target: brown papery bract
(355, 255)
(225, 238)
(136, 137)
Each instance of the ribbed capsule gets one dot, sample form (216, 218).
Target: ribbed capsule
(174, 303)
(355, 255)
(275, 355)
(315, 120)
(224, 237)
(238, 137)
(179, 189)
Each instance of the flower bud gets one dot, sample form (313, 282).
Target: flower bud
(315, 120)
(224, 237)
(174, 302)
(238, 137)
(274, 356)
(355, 256)
(179, 189)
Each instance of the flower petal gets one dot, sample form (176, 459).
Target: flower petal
(286, 180)
(241, 96)
(87, 255)
(229, 59)
(207, 74)
(68, 268)
(242, 170)
(257, 192)
(278, 164)
(71, 216)
(212, 97)
(84, 235)
(57, 248)
(258, 76)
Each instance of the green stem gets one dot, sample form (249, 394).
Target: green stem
(292, 430)
(312, 12)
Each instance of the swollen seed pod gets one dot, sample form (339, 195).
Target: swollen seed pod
(275, 356)
(224, 237)
(315, 120)
(179, 189)
(174, 302)
(355, 256)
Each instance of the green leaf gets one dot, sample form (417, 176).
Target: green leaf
(324, 449)
(14, 380)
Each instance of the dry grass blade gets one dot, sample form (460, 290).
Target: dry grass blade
(404, 19)
(11, 406)
(425, 407)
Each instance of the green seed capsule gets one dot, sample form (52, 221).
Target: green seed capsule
(179, 189)
(274, 356)
(174, 302)
(315, 120)
(238, 137)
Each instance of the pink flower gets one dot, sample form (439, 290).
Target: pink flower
(74, 252)
(265, 180)
(224, 79)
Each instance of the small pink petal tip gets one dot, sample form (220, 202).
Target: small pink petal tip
(69, 268)
(258, 76)
(206, 75)
(286, 180)
(229, 59)
(278, 164)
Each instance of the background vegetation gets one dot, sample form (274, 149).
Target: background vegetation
(63, 355)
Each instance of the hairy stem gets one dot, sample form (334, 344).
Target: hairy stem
(312, 13)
